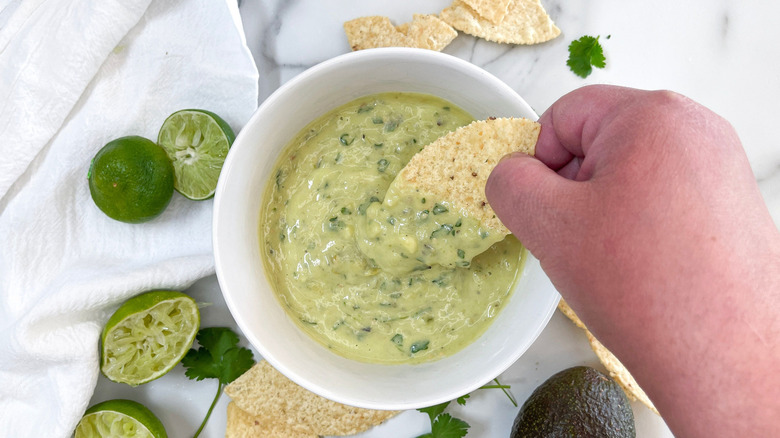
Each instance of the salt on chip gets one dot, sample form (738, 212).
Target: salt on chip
(428, 32)
(493, 10)
(241, 424)
(275, 401)
(525, 22)
(373, 32)
(613, 365)
(456, 166)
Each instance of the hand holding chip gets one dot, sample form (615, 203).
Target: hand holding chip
(644, 213)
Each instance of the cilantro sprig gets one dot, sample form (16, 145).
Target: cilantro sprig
(219, 357)
(444, 425)
(584, 54)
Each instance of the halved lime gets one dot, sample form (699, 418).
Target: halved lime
(197, 142)
(147, 336)
(120, 419)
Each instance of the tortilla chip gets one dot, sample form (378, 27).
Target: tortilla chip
(525, 22)
(613, 365)
(428, 32)
(456, 166)
(241, 424)
(276, 402)
(424, 32)
(493, 10)
(372, 32)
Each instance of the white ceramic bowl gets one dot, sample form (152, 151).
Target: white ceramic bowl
(237, 244)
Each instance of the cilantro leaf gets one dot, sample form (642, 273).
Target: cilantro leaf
(462, 399)
(199, 365)
(218, 357)
(434, 411)
(584, 54)
(236, 362)
(447, 426)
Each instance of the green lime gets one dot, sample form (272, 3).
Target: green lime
(197, 143)
(131, 179)
(120, 419)
(147, 336)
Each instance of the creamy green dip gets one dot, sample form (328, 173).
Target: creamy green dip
(402, 305)
(411, 231)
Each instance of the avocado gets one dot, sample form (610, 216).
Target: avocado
(576, 402)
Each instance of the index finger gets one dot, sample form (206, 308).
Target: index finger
(572, 122)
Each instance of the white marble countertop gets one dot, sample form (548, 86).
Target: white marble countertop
(722, 54)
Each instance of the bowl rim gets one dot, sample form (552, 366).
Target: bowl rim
(234, 307)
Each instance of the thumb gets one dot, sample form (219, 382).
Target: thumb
(540, 207)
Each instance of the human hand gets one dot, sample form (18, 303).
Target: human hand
(643, 211)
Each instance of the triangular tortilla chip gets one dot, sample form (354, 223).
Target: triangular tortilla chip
(428, 32)
(372, 32)
(525, 22)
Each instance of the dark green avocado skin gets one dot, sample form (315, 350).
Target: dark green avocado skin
(578, 402)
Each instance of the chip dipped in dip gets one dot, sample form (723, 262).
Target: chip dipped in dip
(315, 219)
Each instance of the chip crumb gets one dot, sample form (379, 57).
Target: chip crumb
(525, 22)
(277, 404)
(613, 365)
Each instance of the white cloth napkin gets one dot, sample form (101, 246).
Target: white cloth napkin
(75, 74)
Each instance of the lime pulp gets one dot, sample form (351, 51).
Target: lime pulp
(120, 419)
(147, 336)
(197, 143)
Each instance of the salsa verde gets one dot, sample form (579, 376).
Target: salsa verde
(319, 217)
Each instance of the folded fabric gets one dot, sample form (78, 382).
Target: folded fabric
(75, 74)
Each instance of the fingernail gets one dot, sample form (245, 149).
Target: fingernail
(515, 154)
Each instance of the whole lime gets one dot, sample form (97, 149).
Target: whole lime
(131, 179)
(120, 419)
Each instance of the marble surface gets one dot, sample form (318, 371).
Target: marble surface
(721, 53)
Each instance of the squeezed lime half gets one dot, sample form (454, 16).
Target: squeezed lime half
(147, 336)
(197, 142)
(120, 419)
